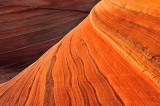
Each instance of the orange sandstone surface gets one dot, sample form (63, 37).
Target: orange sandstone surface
(111, 58)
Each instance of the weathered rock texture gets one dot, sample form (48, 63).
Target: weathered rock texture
(28, 28)
(111, 58)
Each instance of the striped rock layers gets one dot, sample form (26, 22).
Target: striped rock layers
(111, 58)
(27, 30)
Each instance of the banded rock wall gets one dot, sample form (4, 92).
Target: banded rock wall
(28, 28)
(111, 58)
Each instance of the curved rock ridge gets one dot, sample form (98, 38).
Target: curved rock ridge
(111, 58)
(135, 32)
(27, 30)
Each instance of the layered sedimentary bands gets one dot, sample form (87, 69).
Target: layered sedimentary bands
(28, 28)
(111, 58)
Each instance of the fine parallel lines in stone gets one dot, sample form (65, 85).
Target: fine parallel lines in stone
(70, 75)
(99, 62)
(11, 9)
(104, 48)
(125, 35)
(114, 70)
(36, 21)
(70, 79)
(25, 15)
(117, 96)
(83, 90)
(128, 25)
(37, 44)
(87, 79)
(46, 26)
(125, 43)
(49, 98)
(25, 72)
(79, 90)
(31, 87)
(118, 73)
(139, 26)
(29, 90)
(25, 75)
(143, 12)
(33, 27)
(32, 74)
(68, 94)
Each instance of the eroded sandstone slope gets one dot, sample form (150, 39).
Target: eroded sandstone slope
(111, 58)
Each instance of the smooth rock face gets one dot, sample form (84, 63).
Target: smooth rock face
(111, 58)
(28, 28)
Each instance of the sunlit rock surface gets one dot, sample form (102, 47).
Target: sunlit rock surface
(111, 58)
(28, 28)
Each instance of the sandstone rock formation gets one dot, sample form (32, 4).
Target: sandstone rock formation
(28, 28)
(111, 58)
